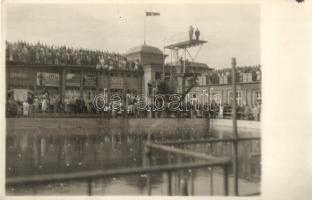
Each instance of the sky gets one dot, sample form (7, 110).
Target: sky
(232, 30)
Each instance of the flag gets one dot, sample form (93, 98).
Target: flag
(152, 13)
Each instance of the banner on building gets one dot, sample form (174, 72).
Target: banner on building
(89, 79)
(48, 79)
(73, 78)
(116, 83)
(19, 77)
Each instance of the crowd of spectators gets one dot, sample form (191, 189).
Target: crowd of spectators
(243, 74)
(244, 112)
(51, 103)
(39, 53)
(46, 102)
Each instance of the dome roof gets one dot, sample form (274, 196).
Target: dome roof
(146, 49)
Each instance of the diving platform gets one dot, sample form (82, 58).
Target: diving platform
(185, 44)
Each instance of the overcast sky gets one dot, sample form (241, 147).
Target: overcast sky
(232, 30)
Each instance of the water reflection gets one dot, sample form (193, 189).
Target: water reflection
(48, 153)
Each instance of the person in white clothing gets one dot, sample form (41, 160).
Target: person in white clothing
(221, 111)
(44, 104)
(25, 108)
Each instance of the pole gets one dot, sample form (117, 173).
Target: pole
(169, 189)
(109, 89)
(124, 95)
(89, 187)
(192, 180)
(164, 62)
(235, 141)
(183, 185)
(211, 181)
(148, 157)
(226, 180)
(183, 71)
(208, 109)
(144, 26)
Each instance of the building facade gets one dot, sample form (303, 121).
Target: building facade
(83, 81)
(219, 87)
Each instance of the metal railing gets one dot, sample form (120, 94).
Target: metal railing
(203, 141)
(89, 176)
(169, 147)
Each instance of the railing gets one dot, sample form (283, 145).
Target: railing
(169, 147)
(91, 175)
(210, 161)
(225, 160)
(210, 141)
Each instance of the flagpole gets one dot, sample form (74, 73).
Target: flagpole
(144, 25)
(164, 62)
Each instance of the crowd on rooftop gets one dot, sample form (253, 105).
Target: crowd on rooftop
(39, 53)
(243, 74)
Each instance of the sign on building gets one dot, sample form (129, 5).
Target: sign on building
(48, 79)
(19, 77)
(89, 79)
(116, 82)
(73, 78)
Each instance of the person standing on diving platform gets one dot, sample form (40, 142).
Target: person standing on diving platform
(191, 31)
(197, 34)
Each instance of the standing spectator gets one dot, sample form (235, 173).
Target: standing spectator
(56, 104)
(256, 112)
(53, 103)
(36, 105)
(247, 112)
(66, 104)
(25, 109)
(37, 56)
(197, 34)
(71, 104)
(191, 31)
(44, 103)
(221, 111)
(88, 106)
(11, 106)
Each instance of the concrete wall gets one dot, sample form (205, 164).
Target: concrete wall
(95, 125)
(245, 128)
(160, 125)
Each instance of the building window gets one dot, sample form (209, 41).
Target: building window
(157, 75)
(238, 97)
(167, 76)
(215, 97)
(258, 96)
(258, 75)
